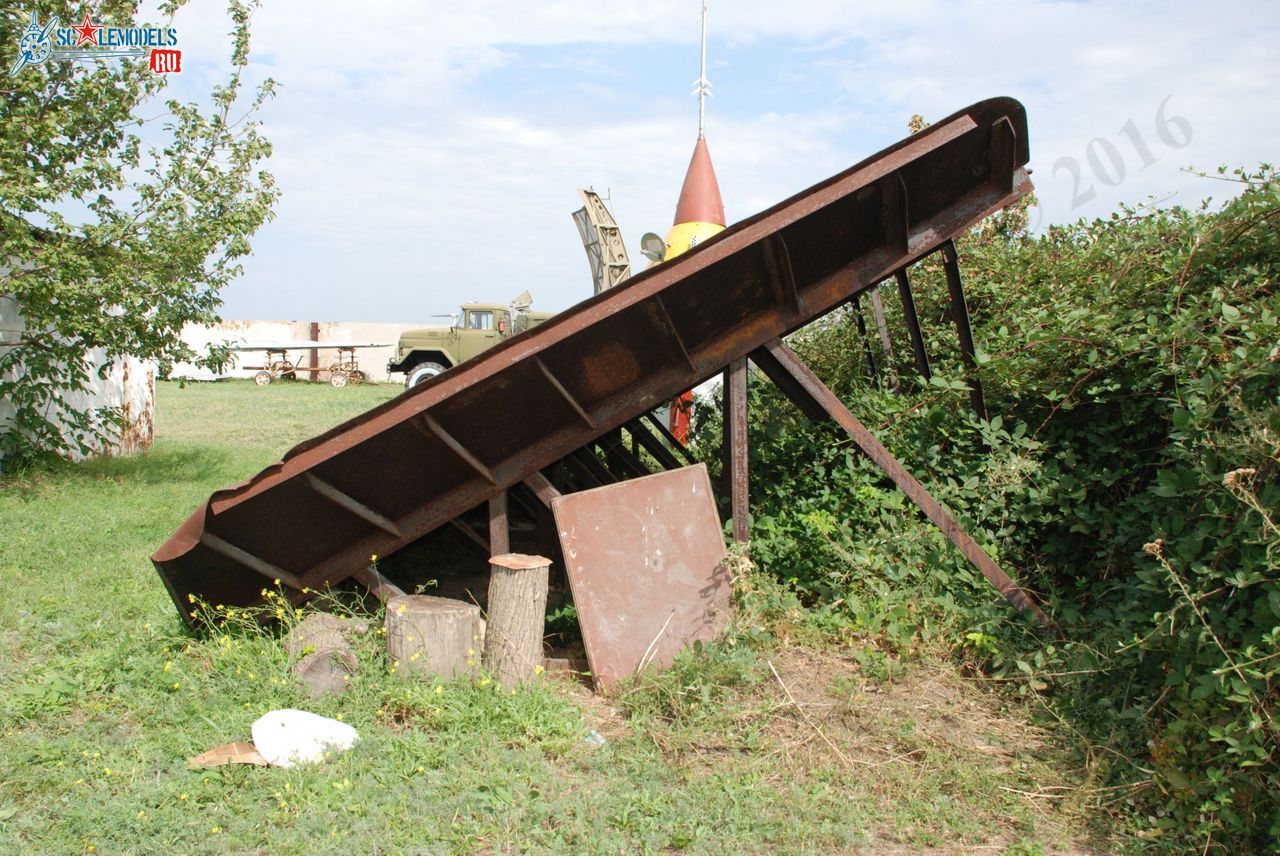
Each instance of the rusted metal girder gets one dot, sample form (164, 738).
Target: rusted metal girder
(388, 477)
(886, 344)
(651, 444)
(912, 318)
(802, 386)
(960, 312)
(873, 374)
(499, 528)
(735, 446)
(672, 443)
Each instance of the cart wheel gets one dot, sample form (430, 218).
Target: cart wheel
(338, 379)
(262, 378)
(358, 376)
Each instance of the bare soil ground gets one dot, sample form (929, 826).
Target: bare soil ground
(926, 734)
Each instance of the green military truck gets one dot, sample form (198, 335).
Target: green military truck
(427, 351)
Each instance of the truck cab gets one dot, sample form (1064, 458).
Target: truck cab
(425, 352)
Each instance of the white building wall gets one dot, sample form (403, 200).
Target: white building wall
(373, 361)
(130, 384)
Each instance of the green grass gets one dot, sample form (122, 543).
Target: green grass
(105, 696)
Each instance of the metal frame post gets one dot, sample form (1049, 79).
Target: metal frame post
(960, 311)
(872, 374)
(886, 344)
(913, 324)
(499, 530)
(736, 450)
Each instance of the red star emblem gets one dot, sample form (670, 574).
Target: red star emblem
(87, 32)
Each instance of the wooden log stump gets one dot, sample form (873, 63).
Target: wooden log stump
(432, 635)
(517, 617)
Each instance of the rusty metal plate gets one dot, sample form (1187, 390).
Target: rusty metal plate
(381, 481)
(645, 560)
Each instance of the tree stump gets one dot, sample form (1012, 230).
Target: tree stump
(517, 617)
(432, 635)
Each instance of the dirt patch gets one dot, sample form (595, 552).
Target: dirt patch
(908, 731)
(599, 710)
(940, 764)
(875, 719)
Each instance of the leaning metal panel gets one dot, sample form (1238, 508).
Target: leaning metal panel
(382, 480)
(645, 561)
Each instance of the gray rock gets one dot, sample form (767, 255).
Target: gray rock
(325, 661)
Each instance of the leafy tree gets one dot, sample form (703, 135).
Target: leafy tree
(117, 225)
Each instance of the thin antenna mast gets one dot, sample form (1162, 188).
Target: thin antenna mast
(702, 86)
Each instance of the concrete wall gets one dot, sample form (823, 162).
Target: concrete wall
(130, 384)
(373, 361)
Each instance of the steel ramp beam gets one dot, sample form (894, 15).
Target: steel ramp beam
(386, 478)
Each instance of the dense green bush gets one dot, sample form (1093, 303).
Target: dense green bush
(1128, 474)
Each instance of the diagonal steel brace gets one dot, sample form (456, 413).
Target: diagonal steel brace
(798, 382)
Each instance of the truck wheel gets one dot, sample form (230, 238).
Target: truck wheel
(421, 372)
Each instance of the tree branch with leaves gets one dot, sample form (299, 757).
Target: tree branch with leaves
(109, 240)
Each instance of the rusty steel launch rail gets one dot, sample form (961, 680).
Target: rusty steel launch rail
(417, 462)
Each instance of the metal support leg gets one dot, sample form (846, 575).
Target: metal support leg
(913, 324)
(872, 374)
(623, 463)
(960, 310)
(651, 444)
(499, 531)
(672, 443)
(735, 442)
(886, 344)
(803, 387)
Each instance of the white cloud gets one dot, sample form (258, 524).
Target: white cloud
(411, 181)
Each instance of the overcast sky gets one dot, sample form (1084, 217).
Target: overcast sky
(429, 153)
